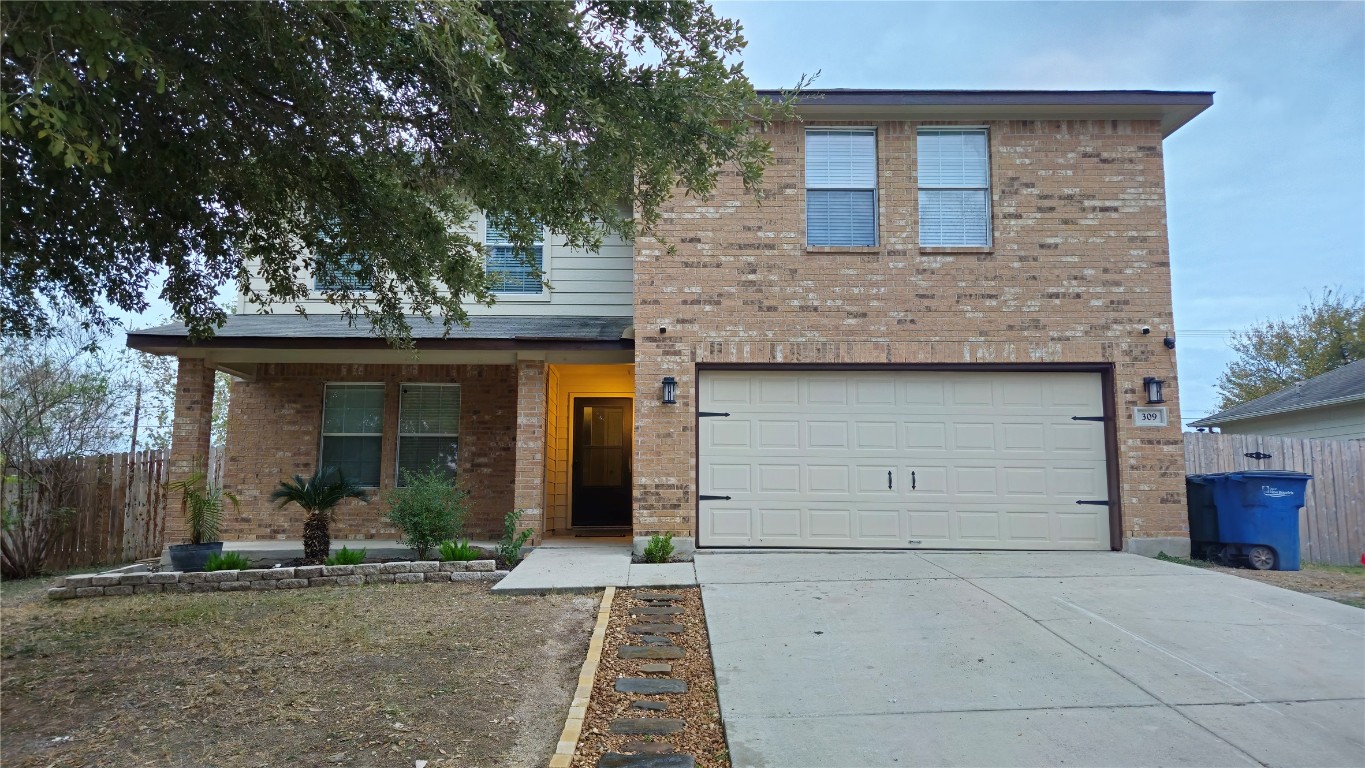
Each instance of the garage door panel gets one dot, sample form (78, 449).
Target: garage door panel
(997, 460)
(774, 435)
(779, 523)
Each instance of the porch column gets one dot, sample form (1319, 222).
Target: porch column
(190, 434)
(529, 495)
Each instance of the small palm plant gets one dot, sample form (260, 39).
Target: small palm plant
(318, 496)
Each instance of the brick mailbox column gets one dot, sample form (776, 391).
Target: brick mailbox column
(530, 479)
(191, 431)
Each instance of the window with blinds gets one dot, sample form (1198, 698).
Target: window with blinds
(349, 274)
(353, 430)
(428, 429)
(841, 187)
(514, 271)
(954, 187)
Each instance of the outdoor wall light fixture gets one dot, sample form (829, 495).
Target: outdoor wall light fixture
(1153, 386)
(670, 391)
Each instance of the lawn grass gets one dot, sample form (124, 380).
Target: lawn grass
(370, 675)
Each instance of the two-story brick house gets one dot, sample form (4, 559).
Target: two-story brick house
(931, 331)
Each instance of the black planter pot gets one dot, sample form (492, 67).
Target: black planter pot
(191, 557)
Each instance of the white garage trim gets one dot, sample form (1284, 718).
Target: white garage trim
(934, 459)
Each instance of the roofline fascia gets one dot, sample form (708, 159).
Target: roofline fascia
(1174, 108)
(156, 343)
(1214, 420)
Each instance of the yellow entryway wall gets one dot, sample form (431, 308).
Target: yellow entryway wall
(563, 384)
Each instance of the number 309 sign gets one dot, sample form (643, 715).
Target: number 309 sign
(1150, 417)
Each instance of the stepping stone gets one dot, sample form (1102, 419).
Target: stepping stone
(655, 629)
(670, 620)
(652, 706)
(656, 610)
(655, 726)
(653, 640)
(617, 760)
(649, 652)
(650, 685)
(648, 747)
(660, 596)
(661, 666)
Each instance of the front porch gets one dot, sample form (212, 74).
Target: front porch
(538, 423)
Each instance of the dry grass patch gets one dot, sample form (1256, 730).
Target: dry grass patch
(373, 675)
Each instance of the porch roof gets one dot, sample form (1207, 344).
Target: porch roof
(292, 331)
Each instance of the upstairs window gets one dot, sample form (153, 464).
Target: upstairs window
(514, 272)
(954, 187)
(428, 429)
(353, 430)
(349, 275)
(841, 187)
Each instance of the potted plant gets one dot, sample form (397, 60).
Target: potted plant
(202, 508)
(318, 495)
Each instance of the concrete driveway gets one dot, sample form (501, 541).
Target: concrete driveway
(1011, 659)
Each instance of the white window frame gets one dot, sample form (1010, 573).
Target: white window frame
(876, 181)
(544, 294)
(920, 186)
(398, 439)
(323, 434)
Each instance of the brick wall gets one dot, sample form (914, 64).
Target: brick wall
(1079, 263)
(190, 436)
(274, 428)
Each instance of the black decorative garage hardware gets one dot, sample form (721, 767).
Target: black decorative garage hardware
(1258, 456)
(1094, 502)
(704, 414)
(704, 497)
(1087, 418)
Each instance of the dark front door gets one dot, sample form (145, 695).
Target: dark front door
(601, 461)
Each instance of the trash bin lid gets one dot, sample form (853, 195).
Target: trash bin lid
(1269, 474)
(1209, 478)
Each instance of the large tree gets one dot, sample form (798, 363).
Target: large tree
(1328, 332)
(195, 139)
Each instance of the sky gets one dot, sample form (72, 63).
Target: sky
(1265, 190)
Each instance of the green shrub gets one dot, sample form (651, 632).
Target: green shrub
(227, 561)
(346, 556)
(509, 546)
(430, 509)
(659, 548)
(459, 551)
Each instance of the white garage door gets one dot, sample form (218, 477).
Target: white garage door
(902, 460)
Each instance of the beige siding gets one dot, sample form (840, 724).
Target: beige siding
(582, 282)
(1341, 422)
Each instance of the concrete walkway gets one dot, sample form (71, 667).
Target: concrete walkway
(982, 659)
(586, 565)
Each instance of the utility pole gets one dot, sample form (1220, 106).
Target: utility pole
(137, 411)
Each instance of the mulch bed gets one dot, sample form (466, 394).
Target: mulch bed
(704, 735)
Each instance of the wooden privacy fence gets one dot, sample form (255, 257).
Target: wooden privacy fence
(119, 509)
(1332, 526)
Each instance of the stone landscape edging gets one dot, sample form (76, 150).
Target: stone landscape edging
(111, 584)
(578, 708)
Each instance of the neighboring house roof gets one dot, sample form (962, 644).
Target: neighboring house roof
(1336, 387)
(293, 331)
(1172, 108)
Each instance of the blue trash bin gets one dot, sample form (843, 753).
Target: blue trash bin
(1258, 515)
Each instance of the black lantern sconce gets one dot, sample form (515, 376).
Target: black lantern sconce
(670, 391)
(1153, 386)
